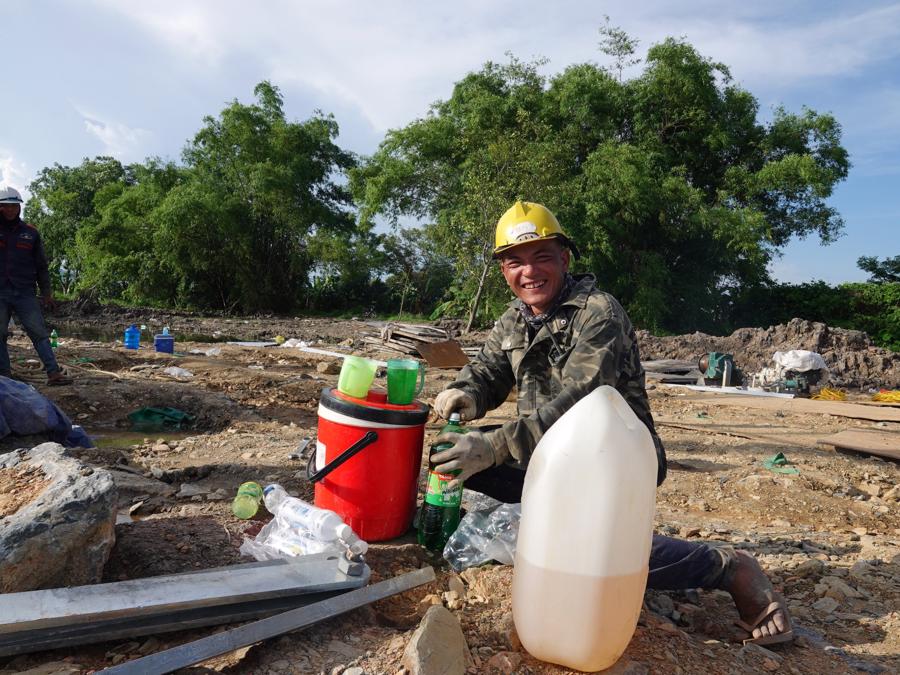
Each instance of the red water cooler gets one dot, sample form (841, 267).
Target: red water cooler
(367, 460)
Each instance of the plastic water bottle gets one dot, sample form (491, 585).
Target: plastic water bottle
(583, 549)
(246, 503)
(323, 524)
(54, 339)
(132, 337)
(440, 510)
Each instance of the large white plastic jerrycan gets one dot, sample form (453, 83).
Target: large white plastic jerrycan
(583, 549)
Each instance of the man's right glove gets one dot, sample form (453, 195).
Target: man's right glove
(455, 400)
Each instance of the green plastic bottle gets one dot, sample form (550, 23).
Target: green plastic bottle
(246, 503)
(54, 339)
(440, 510)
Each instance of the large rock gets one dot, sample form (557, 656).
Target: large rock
(63, 536)
(438, 646)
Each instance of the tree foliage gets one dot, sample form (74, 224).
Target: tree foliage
(62, 203)
(672, 188)
(880, 272)
(230, 228)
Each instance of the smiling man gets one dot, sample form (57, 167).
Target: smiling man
(560, 339)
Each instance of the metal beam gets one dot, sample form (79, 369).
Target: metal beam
(125, 600)
(248, 634)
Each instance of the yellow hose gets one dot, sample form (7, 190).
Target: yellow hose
(829, 394)
(887, 396)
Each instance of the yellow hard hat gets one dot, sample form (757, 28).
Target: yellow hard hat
(525, 222)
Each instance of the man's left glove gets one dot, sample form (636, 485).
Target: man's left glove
(48, 302)
(470, 453)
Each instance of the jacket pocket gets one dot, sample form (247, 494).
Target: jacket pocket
(513, 347)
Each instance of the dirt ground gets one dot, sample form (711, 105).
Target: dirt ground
(829, 537)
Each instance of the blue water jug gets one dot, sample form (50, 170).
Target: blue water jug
(132, 337)
(164, 342)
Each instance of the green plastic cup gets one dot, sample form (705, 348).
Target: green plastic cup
(356, 376)
(405, 380)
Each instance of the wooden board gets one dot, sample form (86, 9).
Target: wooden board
(881, 443)
(799, 405)
(691, 377)
(669, 366)
(447, 354)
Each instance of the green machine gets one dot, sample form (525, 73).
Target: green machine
(719, 369)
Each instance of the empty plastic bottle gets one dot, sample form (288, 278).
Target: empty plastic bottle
(323, 524)
(54, 339)
(246, 503)
(132, 337)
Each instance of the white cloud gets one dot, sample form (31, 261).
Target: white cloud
(770, 47)
(13, 173)
(391, 59)
(119, 140)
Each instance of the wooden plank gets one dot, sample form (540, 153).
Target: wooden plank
(221, 643)
(672, 378)
(800, 405)
(669, 366)
(443, 354)
(32, 610)
(880, 443)
(736, 391)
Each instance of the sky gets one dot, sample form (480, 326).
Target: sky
(135, 79)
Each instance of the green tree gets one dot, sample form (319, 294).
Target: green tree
(880, 272)
(116, 249)
(62, 202)
(675, 192)
(618, 44)
(236, 232)
(463, 165)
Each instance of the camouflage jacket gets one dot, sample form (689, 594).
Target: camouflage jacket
(587, 343)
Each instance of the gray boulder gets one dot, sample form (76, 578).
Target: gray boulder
(62, 537)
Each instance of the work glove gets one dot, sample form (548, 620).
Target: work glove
(48, 302)
(470, 453)
(455, 400)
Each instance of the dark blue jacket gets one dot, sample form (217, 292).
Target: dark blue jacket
(23, 262)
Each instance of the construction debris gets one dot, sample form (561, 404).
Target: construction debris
(404, 337)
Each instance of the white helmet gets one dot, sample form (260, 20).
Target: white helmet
(10, 195)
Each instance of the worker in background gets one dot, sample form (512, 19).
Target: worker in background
(559, 340)
(23, 265)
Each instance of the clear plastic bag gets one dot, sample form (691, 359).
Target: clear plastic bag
(484, 535)
(279, 539)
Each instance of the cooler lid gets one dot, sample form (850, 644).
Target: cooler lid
(374, 408)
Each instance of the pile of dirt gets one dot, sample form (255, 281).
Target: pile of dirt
(852, 359)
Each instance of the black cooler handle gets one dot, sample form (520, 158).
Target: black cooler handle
(315, 476)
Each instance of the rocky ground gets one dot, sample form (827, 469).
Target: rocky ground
(829, 537)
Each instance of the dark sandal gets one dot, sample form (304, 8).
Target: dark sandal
(786, 635)
(58, 381)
